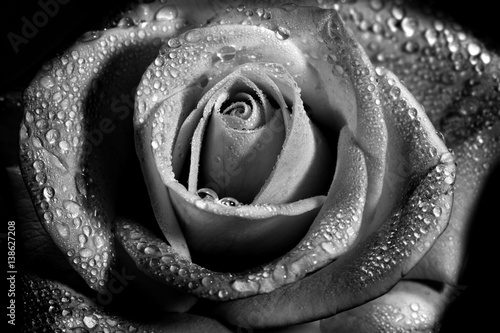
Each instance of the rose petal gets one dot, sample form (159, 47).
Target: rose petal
(226, 149)
(69, 133)
(332, 234)
(459, 93)
(365, 272)
(346, 92)
(156, 139)
(408, 307)
(303, 175)
(52, 306)
(429, 162)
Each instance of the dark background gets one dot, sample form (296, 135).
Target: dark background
(477, 306)
(78, 16)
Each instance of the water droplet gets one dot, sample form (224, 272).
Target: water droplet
(52, 135)
(38, 165)
(48, 216)
(168, 260)
(89, 321)
(437, 211)
(207, 281)
(81, 184)
(82, 239)
(414, 307)
(89, 36)
(431, 36)
(48, 192)
(64, 145)
(86, 253)
(87, 230)
(376, 5)
(226, 53)
(473, 49)
(207, 194)
(98, 241)
(395, 92)
(193, 36)
(397, 12)
(47, 82)
(228, 201)
(282, 33)
(152, 250)
(409, 26)
(485, 58)
(174, 43)
(222, 293)
(167, 13)
(126, 22)
(62, 229)
(54, 161)
(42, 124)
(449, 180)
(267, 15)
(410, 46)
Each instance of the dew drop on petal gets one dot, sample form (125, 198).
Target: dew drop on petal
(89, 36)
(376, 4)
(62, 229)
(395, 92)
(166, 13)
(86, 253)
(38, 165)
(152, 250)
(282, 33)
(72, 207)
(98, 241)
(47, 82)
(207, 194)
(207, 281)
(409, 26)
(226, 53)
(222, 294)
(64, 145)
(436, 211)
(193, 36)
(228, 201)
(431, 36)
(473, 49)
(52, 135)
(126, 22)
(174, 43)
(48, 192)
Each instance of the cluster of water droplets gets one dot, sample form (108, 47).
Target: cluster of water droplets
(405, 316)
(52, 308)
(443, 66)
(161, 262)
(54, 137)
(210, 195)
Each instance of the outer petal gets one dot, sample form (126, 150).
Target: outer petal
(417, 219)
(415, 223)
(50, 306)
(76, 111)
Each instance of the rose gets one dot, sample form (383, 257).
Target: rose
(105, 128)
